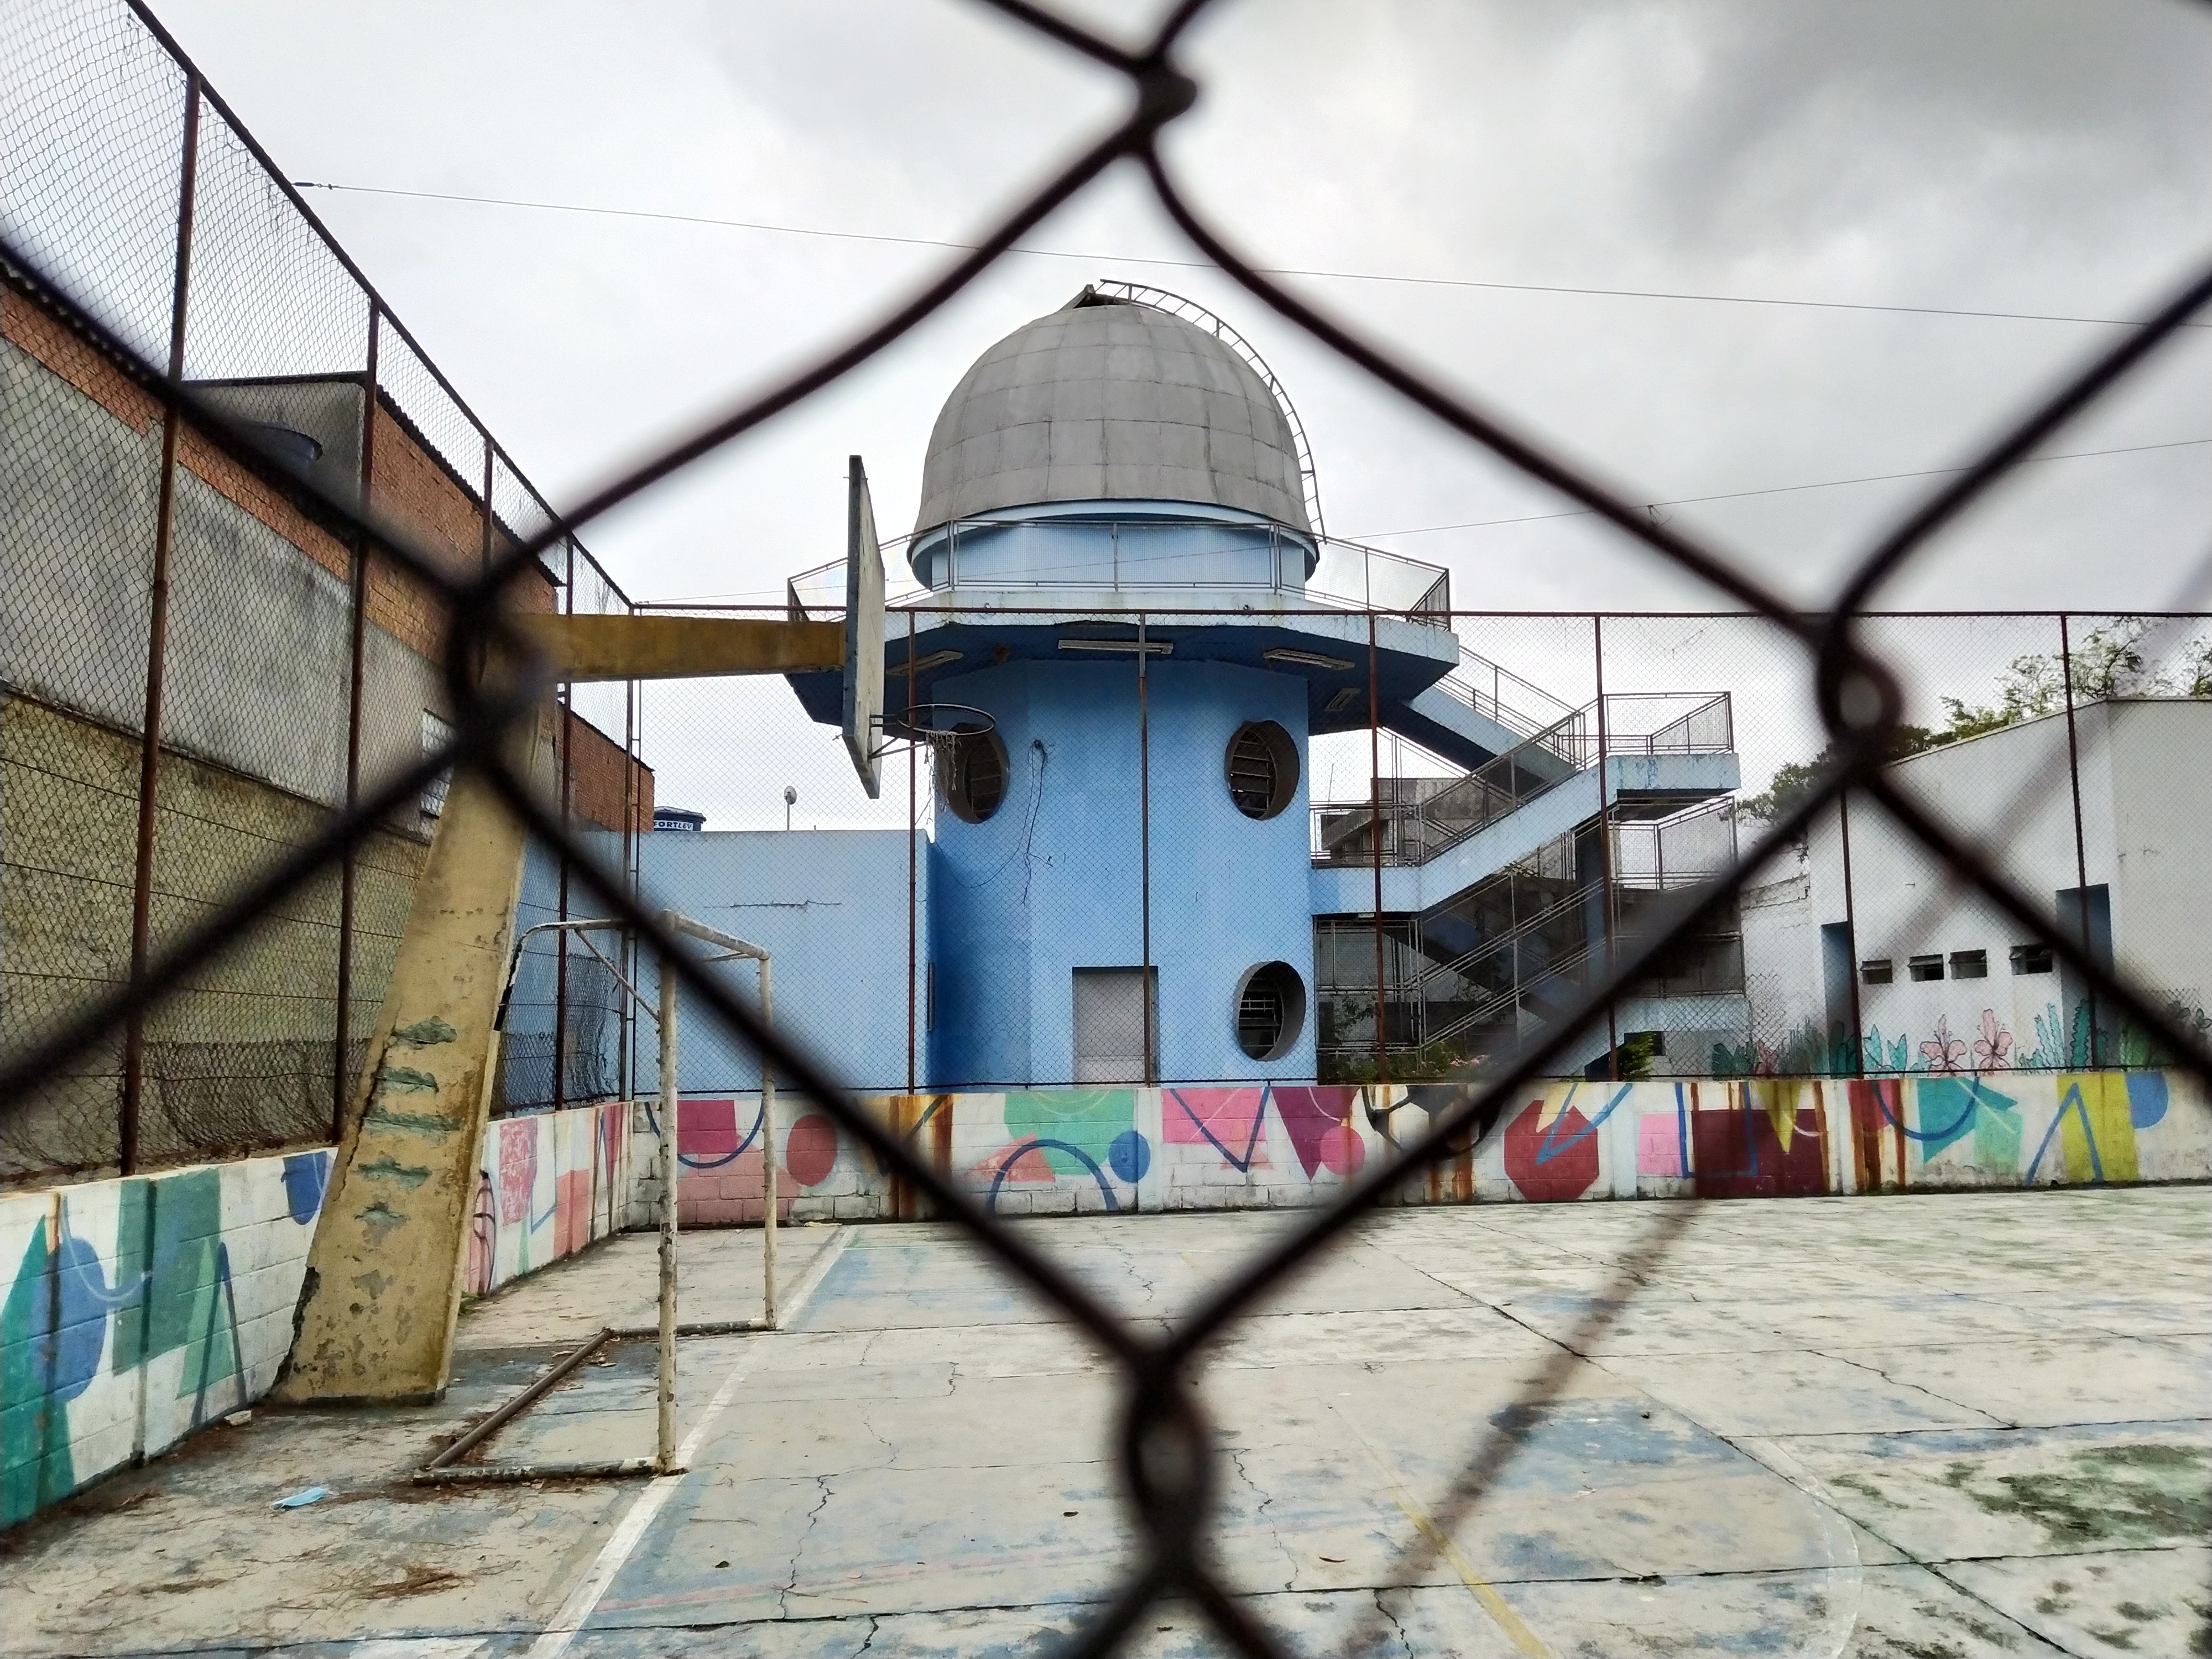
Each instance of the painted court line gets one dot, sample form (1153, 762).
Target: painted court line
(615, 1554)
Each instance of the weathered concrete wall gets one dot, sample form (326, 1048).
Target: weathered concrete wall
(137, 1310)
(1071, 1151)
(244, 1058)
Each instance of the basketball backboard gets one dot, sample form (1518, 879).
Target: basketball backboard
(864, 630)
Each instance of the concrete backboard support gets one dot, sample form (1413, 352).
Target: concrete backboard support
(376, 1312)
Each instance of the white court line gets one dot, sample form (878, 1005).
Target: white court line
(616, 1552)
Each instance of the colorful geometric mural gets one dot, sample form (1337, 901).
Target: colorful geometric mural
(136, 1310)
(548, 1184)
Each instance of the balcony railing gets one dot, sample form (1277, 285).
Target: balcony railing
(1196, 556)
(1422, 817)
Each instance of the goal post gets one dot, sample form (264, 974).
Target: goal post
(668, 1327)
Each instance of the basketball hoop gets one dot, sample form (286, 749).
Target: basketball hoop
(939, 725)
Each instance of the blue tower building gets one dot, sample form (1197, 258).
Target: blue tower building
(1123, 854)
(1132, 615)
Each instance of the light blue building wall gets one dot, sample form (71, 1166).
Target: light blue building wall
(1054, 880)
(829, 906)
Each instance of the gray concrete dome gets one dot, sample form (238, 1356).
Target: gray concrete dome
(1109, 399)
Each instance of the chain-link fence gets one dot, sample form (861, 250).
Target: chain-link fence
(259, 552)
(205, 659)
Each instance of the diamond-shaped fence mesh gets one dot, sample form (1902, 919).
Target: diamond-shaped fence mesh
(1709, 845)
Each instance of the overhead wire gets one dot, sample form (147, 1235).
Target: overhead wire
(772, 228)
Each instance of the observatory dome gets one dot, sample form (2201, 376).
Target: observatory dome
(1111, 399)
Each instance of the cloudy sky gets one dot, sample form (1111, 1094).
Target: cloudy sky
(2035, 156)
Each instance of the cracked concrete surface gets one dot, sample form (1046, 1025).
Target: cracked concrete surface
(1944, 1425)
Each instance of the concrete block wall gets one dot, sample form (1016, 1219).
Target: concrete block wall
(136, 1310)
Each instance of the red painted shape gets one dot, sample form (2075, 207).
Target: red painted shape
(1870, 1122)
(1736, 1154)
(1550, 1163)
(810, 1150)
(1319, 1123)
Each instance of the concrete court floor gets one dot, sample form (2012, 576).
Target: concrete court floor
(1942, 1425)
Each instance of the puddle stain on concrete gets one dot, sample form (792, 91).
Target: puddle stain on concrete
(2113, 1495)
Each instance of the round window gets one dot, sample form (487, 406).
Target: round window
(1271, 1010)
(1262, 764)
(971, 774)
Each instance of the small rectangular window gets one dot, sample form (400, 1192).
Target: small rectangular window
(2031, 959)
(1877, 970)
(1970, 964)
(1926, 968)
(436, 734)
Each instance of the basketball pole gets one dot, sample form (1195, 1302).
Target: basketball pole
(664, 1455)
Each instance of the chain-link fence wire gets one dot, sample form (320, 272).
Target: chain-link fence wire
(289, 669)
(1168, 1452)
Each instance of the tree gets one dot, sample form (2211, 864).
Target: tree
(2107, 662)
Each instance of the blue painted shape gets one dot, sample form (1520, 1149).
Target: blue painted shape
(1039, 1144)
(83, 1332)
(1130, 1156)
(1681, 1129)
(304, 1175)
(2072, 1102)
(1955, 1100)
(2146, 1098)
(1552, 1145)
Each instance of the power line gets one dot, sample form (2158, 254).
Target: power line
(1777, 489)
(1204, 264)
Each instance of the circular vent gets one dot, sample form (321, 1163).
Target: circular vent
(1262, 764)
(972, 774)
(1271, 1010)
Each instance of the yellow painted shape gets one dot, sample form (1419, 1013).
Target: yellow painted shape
(2102, 1098)
(375, 1319)
(1524, 1639)
(1552, 1103)
(655, 647)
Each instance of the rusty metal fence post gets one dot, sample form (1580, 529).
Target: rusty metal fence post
(150, 753)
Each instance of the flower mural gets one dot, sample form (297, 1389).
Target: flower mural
(1993, 1049)
(1943, 1052)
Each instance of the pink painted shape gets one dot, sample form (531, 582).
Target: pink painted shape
(1231, 1116)
(705, 1128)
(1659, 1145)
(518, 1168)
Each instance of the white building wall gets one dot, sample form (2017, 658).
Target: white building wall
(2144, 803)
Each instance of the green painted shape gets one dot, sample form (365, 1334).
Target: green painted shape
(425, 1033)
(388, 1168)
(405, 1080)
(421, 1123)
(134, 1240)
(35, 1468)
(180, 1285)
(1085, 1118)
(1996, 1134)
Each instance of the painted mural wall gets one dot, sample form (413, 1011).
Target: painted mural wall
(548, 1184)
(137, 1310)
(1119, 1151)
